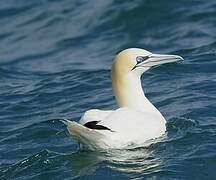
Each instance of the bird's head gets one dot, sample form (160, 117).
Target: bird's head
(137, 61)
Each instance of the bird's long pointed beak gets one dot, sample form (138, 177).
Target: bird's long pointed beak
(158, 59)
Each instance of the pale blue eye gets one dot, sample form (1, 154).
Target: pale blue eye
(140, 59)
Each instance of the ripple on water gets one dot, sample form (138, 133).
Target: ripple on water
(55, 59)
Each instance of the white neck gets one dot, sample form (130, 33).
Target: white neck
(129, 93)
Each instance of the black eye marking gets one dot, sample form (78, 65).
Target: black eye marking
(140, 59)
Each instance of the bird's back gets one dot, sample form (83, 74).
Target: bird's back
(129, 125)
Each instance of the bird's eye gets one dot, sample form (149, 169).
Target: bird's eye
(140, 59)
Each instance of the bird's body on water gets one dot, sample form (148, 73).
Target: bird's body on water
(136, 120)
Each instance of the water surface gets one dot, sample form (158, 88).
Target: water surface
(55, 59)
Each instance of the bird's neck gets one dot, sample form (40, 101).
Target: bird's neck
(129, 93)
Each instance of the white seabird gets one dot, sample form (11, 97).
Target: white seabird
(136, 120)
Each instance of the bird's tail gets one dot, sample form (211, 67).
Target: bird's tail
(88, 137)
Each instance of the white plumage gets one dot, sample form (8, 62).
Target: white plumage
(136, 120)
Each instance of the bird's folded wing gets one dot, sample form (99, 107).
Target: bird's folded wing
(83, 134)
(94, 115)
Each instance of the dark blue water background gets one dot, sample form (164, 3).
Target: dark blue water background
(55, 59)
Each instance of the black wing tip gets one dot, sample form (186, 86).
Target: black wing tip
(94, 125)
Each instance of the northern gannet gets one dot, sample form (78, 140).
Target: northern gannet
(136, 120)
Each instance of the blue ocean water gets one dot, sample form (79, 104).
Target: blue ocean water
(55, 59)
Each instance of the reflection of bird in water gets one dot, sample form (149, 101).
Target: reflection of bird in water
(136, 120)
(133, 162)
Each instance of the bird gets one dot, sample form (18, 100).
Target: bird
(136, 120)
